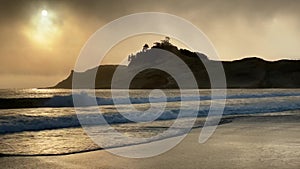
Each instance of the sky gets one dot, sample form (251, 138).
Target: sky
(39, 50)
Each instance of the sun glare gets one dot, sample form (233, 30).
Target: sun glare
(44, 12)
(42, 28)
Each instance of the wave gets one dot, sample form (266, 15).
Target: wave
(86, 100)
(13, 123)
(20, 123)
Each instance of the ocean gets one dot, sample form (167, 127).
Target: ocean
(44, 122)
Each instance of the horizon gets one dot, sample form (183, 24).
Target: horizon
(41, 40)
(150, 84)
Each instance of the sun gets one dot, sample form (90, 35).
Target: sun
(43, 28)
(44, 12)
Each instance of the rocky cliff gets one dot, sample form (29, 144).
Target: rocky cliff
(244, 73)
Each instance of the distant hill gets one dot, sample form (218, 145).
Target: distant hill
(244, 73)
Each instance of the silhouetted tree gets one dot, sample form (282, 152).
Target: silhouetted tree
(145, 47)
(130, 57)
(156, 44)
(166, 41)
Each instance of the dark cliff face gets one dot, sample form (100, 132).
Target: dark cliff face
(245, 73)
(257, 73)
(102, 79)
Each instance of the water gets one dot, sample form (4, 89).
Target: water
(46, 122)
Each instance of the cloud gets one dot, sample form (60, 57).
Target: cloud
(237, 28)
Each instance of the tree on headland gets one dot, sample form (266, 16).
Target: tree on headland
(166, 41)
(130, 57)
(145, 47)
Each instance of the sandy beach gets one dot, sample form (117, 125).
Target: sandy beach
(250, 141)
(173, 84)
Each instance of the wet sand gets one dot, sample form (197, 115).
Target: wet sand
(252, 141)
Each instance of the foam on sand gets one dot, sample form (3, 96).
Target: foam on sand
(252, 141)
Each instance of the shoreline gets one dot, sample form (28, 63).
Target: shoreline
(253, 137)
(201, 119)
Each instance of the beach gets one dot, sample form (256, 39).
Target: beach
(247, 141)
(195, 84)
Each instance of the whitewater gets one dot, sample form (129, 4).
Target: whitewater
(44, 122)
